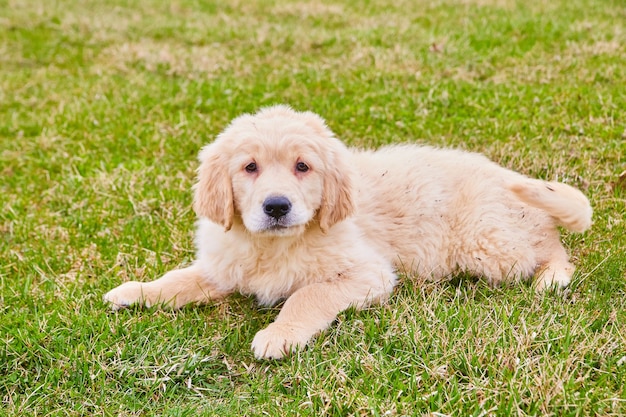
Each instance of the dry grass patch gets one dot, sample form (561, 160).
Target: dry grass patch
(196, 62)
(501, 4)
(308, 9)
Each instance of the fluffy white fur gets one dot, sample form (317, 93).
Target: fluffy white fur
(353, 219)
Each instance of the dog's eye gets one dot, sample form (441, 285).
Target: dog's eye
(251, 167)
(302, 167)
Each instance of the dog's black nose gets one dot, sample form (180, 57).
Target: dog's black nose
(276, 207)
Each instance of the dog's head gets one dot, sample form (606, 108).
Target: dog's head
(278, 170)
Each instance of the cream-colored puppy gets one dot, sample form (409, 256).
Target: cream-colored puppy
(286, 211)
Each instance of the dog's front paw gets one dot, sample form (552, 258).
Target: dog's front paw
(125, 295)
(278, 340)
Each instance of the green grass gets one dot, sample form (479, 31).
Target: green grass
(105, 104)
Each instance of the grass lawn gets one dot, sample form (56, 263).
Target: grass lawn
(105, 104)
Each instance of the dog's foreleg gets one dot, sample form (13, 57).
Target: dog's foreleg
(174, 289)
(313, 308)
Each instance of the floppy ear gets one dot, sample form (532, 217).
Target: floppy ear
(213, 193)
(337, 198)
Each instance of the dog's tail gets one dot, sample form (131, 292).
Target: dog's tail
(567, 205)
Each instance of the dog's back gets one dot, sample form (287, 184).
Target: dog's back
(438, 211)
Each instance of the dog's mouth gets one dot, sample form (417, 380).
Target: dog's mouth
(274, 230)
(280, 227)
(280, 224)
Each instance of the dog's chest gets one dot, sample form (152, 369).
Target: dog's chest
(274, 274)
(271, 269)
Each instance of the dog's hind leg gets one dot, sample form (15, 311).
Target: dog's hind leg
(554, 269)
(174, 289)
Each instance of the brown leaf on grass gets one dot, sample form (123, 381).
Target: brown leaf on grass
(436, 47)
(620, 184)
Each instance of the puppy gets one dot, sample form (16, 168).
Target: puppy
(287, 212)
